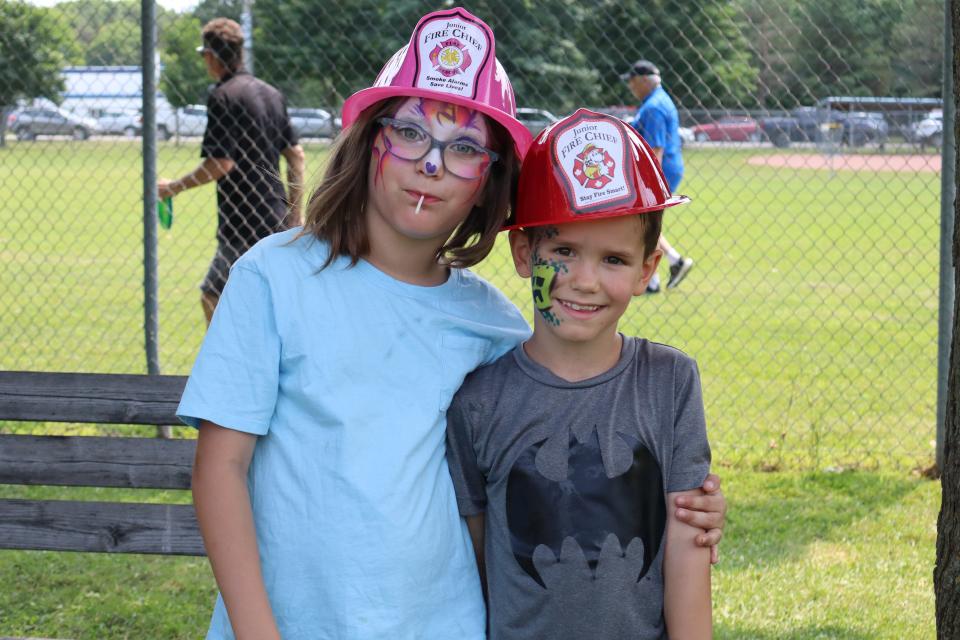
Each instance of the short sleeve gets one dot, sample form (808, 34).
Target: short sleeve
(218, 139)
(512, 328)
(654, 127)
(235, 378)
(287, 133)
(637, 123)
(469, 482)
(691, 450)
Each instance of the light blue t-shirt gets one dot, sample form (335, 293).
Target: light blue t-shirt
(658, 121)
(346, 375)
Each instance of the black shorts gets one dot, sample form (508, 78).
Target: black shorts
(216, 278)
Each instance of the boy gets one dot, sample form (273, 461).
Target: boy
(569, 452)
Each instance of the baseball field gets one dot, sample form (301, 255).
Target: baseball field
(812, 311)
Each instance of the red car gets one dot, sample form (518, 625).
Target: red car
(728, 129)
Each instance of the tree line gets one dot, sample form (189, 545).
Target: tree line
(731, 54)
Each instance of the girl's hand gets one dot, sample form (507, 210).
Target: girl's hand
(706, 511)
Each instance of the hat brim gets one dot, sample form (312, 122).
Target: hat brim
(365, 98)
(672, 201)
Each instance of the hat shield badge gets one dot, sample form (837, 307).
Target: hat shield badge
(589, 155)
(587, 166)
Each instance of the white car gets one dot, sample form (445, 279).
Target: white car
(186, 121)
(929, 131)
(535, 120)
(125, 122)
(686, 135)
(311, 123)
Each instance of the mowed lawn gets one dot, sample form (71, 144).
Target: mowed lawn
(811, 311)
(838, 556)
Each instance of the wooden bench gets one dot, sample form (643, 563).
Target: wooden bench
(86, 461)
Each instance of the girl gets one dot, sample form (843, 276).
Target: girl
(320, 391)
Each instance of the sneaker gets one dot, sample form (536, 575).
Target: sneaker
(654, 285)
(679, 271)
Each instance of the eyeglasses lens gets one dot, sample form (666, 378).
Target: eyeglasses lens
(461, 158)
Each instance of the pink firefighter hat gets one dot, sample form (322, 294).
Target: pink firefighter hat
(451, 56)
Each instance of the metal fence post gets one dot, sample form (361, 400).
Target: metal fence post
(948, 193)
(148, 41)
(246, 25)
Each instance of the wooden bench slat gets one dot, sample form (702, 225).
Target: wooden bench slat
(105, 527)
(90, 397)
(84, 461)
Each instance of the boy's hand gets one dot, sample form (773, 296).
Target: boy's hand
(708, 512)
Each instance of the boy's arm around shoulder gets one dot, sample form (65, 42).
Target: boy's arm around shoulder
(686, 577)
(705, 508)
(225, 516)
(686, 563)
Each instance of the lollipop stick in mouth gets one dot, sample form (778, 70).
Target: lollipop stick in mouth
(419, 204)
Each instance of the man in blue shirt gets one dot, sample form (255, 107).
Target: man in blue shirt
(658, 122)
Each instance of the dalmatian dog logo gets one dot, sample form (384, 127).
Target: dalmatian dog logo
(593, 167)
(450, 58)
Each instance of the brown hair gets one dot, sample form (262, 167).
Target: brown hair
(651, 224)
(224, 38)
(335, 212)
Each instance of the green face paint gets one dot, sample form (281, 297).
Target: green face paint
(544, 277)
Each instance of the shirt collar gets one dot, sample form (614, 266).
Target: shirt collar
(231, 74)
(651, 94)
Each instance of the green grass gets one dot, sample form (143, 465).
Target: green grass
(806, 556)
(811, 311)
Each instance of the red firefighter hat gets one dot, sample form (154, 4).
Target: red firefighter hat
(588, 166)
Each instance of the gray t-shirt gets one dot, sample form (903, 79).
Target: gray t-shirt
(573, 478)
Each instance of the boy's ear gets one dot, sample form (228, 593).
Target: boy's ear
(520, 249)
(650, 264)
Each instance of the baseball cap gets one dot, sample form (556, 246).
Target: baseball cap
(641, 68)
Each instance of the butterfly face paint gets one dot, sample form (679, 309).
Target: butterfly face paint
(381, 156)
(446, 121)
(408, 199)
(448, 115)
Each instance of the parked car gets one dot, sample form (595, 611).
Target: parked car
(686, 135)
(535, 119)
(728, 129)
(125, 122)
(861, 127)
(803, 124)
(312, 123)
(30, 122)
(929, 131)
(185, 121)
(622, 111)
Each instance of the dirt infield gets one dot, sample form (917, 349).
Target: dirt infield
(852, 162)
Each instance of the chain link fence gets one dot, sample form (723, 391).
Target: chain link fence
(811, 136)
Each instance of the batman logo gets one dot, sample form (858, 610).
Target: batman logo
(586, 503)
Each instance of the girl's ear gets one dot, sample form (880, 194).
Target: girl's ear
(521, 251)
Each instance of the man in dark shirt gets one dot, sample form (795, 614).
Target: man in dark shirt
(248, 129)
